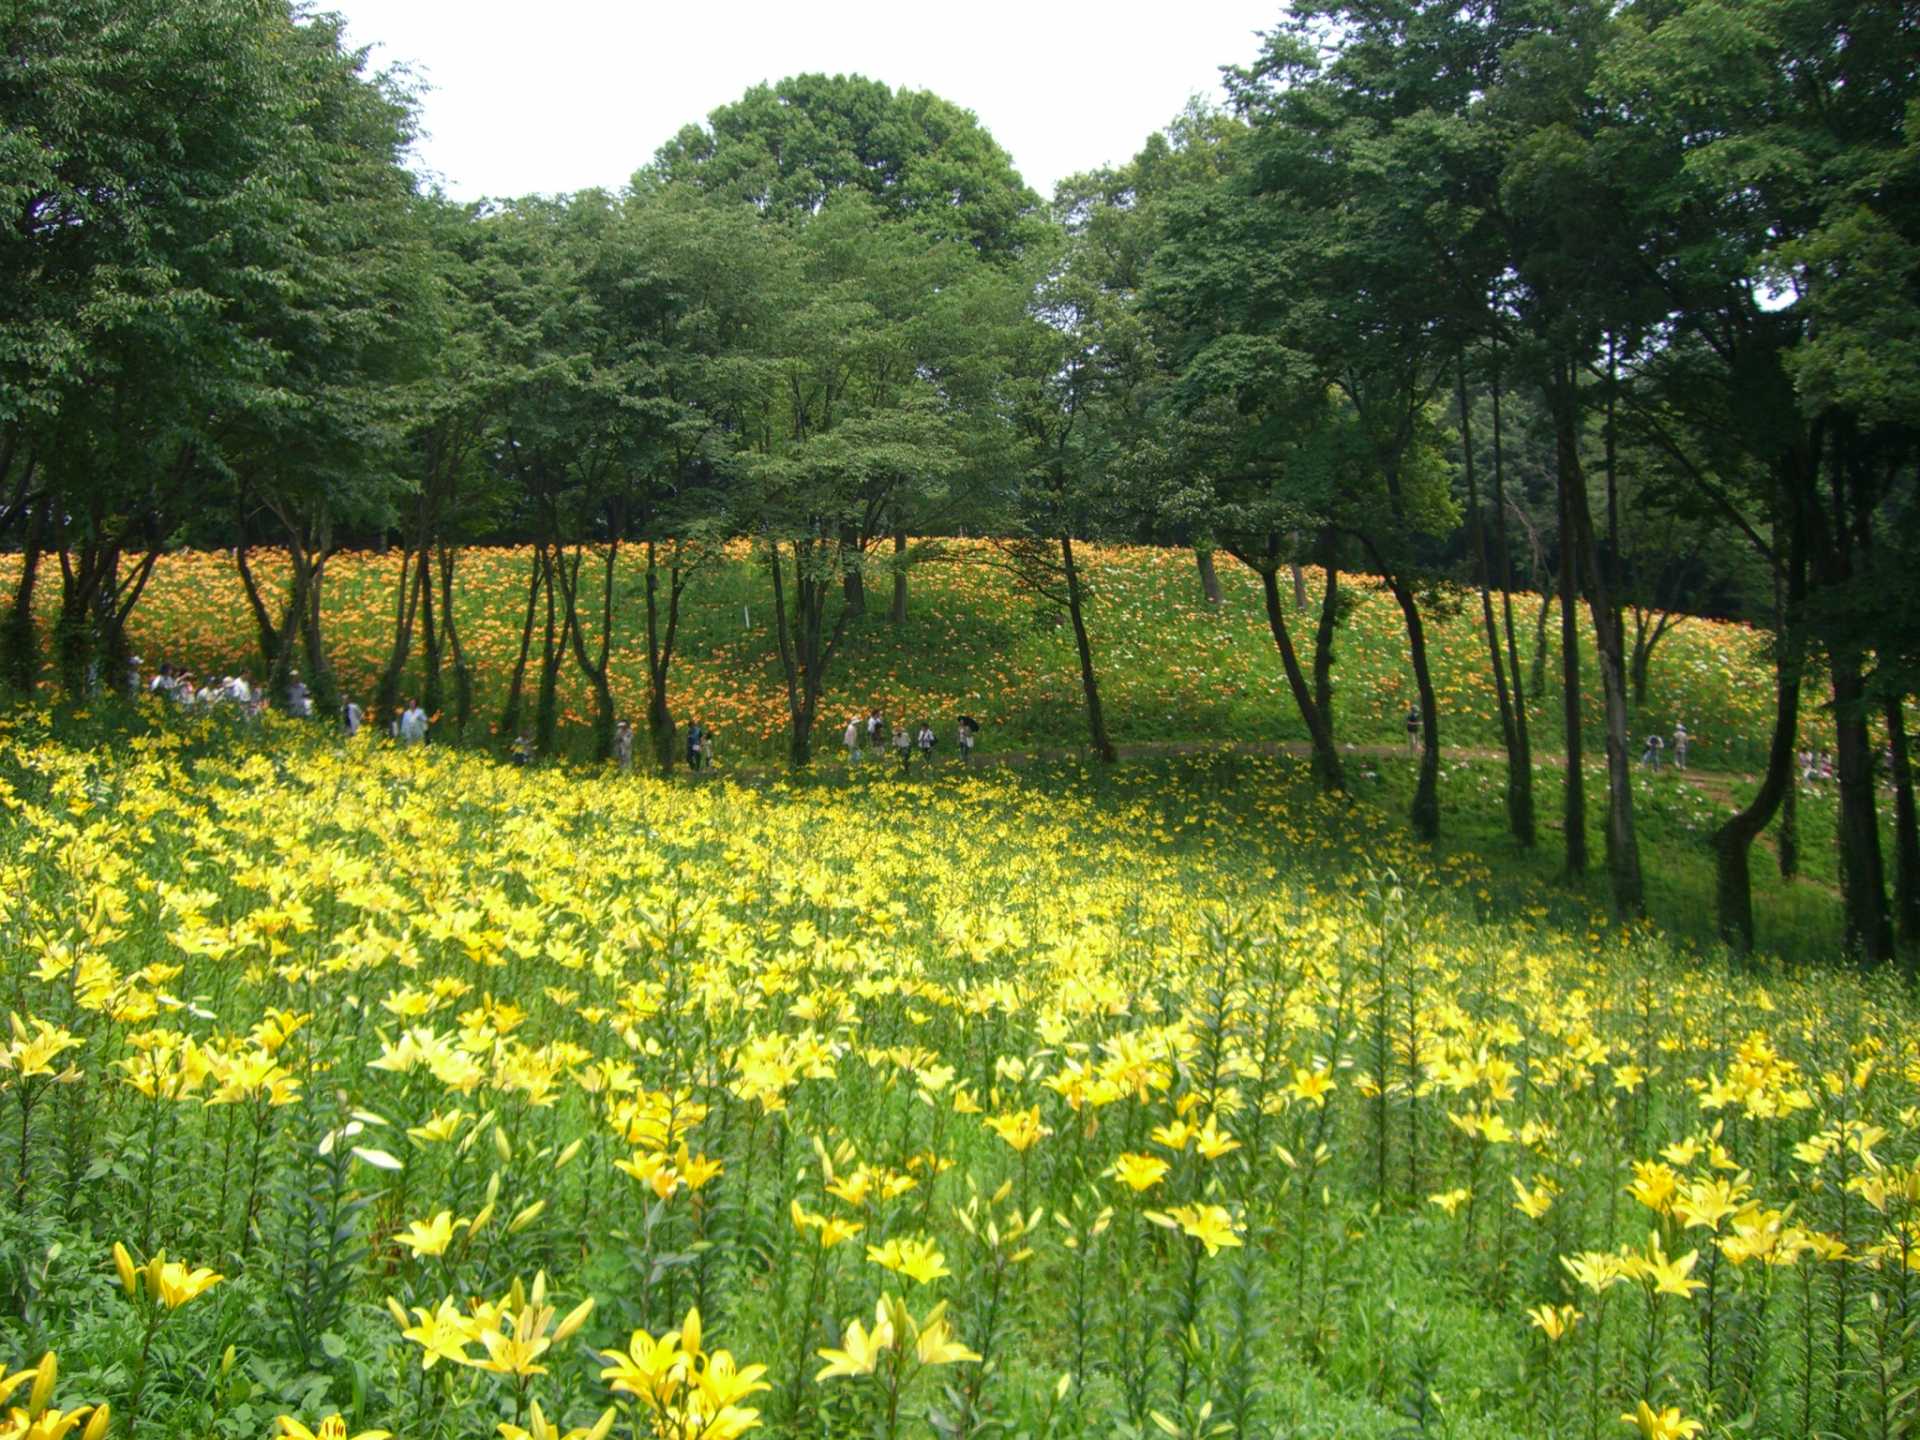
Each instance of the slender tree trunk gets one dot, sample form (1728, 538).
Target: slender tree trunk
(1863, 883)
(595, 669)
(516, 688)
(1520, 812)
(558, 635)
(1325, 632)
(1574, 800)
(264, 628)
(1209, 577)
(1089, 684)
(462, 672)
(898, 615)
(1477, 525)
(1906, 828)
(433, 699)
(1732, 843)
(660, 642)
(1425, 811)
(386, 698)
(1327, 768)
(1648, 631)
(1623, 851)
(854, 580)
(322, 685)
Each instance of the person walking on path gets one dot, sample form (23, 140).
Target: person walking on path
(1651, 755)
(1680, 739)
(1413, 728)
(299, 702)
(926, 742)
(413, 724)
(876, 726)
(706, 747)
(623, 746)
(521, 751)
(903, 746)
(350, 717)
(693, 745)
(852, 740)
(968, 728)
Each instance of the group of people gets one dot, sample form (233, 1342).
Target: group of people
(178, 687)
(874, 734)
(1656, 748)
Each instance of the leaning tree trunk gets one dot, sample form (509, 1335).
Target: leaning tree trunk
(1209, 576)
(1906, 828)
(1732, 843)
(1089, 685)
(553, 654)
(1327, 768)
(386, 696)
(1425, 811)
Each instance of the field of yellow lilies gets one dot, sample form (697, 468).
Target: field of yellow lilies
(352, 1091)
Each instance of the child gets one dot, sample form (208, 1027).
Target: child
(1651, 756)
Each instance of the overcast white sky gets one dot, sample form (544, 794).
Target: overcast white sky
(559, 95)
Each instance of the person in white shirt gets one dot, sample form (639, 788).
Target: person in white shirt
(1680, 738)
(903, 743)
(413, 724)
(350, 716)
(852, 739)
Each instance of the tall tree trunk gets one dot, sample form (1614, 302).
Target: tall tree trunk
(595, 669)
(516, 687)
(321, 683)
(386, 697)
(265, 630)
(898, 615)
(1574, 798)
(1425, 811)
(1841, 542)
(1906, 828)
(553, 654)
(1477, 525)
(1209, 576)
(433, 698)
(1324, 633)
(1327, 769)
(854, 580)
(1623, 852)
(660, 642)
(20, 644)
(1732, 842)
(1299, 585)
(1089, 684)
(1520, 813)
(449, 624)
(1863, 882)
